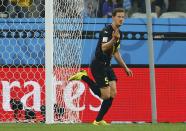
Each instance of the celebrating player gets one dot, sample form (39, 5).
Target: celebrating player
(108, 45)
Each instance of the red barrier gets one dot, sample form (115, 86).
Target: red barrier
(132, 102)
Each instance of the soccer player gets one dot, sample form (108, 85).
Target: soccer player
(105, 85)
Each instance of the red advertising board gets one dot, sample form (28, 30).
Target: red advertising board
(132, 103)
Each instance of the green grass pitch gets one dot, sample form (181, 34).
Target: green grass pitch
(89, 127)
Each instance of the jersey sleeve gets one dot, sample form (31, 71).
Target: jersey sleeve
(106, 36)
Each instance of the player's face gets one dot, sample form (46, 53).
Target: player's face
(119, 18)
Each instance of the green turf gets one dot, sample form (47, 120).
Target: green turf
(89, 127)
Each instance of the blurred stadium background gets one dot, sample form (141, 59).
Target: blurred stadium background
(22, 64)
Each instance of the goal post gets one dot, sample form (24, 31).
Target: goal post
(151, 62)
(40, 48)
(49, 90)
(63, 49)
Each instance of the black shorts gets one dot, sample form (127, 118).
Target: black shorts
(102, 73)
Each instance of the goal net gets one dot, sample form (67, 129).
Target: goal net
(22, 72)
(23, 55)
(67, 49)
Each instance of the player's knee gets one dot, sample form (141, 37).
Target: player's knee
(105, 93)
(113, 94)
(105, 96)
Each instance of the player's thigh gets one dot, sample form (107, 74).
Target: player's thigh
(112, 81)
(113, 89)
(103, 85)
(100, 76)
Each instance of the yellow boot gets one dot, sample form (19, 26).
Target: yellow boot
(102, 122)
(78, 75)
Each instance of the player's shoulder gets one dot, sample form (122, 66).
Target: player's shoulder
(107, 29)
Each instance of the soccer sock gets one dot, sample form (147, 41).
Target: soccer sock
(106, 104)
(93, 86)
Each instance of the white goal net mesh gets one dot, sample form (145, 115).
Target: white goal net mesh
(22, 59)
(68, 26)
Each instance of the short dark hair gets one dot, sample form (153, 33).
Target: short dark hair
(116, 10)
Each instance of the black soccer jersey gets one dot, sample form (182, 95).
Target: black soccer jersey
(104, 37)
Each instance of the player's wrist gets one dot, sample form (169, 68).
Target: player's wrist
(125, 67)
